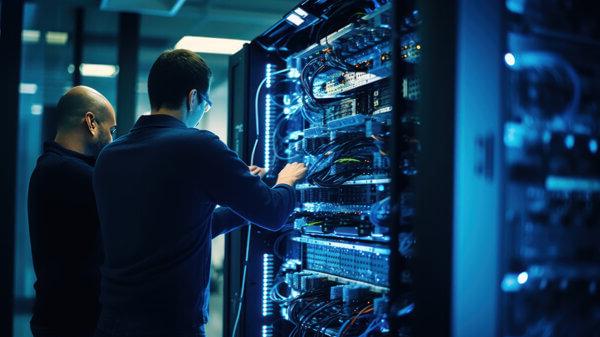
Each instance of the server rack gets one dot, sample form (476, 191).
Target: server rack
(551, 126)
(508, 247)
(506, 207)
(257, 103)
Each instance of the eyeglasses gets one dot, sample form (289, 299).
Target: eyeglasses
(113, 130)
(208, 103)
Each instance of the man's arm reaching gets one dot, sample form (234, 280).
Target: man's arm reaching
(232, 185)
(224, 219)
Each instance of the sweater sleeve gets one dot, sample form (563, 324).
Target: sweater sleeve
(224, 220)
(229, 183)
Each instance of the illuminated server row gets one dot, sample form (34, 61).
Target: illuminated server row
(507, 194)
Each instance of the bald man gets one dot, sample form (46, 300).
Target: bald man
(63, 222)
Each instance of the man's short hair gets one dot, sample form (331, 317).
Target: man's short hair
(173, 75)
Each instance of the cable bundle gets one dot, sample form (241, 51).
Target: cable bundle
(342, 159)
(325, 61)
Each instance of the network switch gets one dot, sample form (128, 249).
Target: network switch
(369, 267)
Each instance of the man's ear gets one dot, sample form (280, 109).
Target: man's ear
(191, 99)
(90, 121)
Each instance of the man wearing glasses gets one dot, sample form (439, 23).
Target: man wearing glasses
(63, 222)
(156, 189)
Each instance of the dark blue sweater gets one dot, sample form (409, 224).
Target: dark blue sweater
(156, 190)
(65, 243)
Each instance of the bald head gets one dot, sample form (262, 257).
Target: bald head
(85, 120)
(73, 106)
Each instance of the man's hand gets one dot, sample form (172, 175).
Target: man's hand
(291, 173)
(257, 171)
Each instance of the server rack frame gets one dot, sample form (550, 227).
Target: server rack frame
(243, 82)
(241, 135)
(458, 244)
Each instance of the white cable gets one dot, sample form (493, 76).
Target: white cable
(256, 115)
(244, 272)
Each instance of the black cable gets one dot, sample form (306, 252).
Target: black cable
(316, 312)
(302, 320)
(353, 157)
(278, 242)
(322, 331)
(308, 76)
(297, 320)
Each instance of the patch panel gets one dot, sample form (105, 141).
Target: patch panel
(370, 100)
(342, 82)
(354, 224)
(344, 195)
(346, 107)
(330, 207)
(350, 263)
